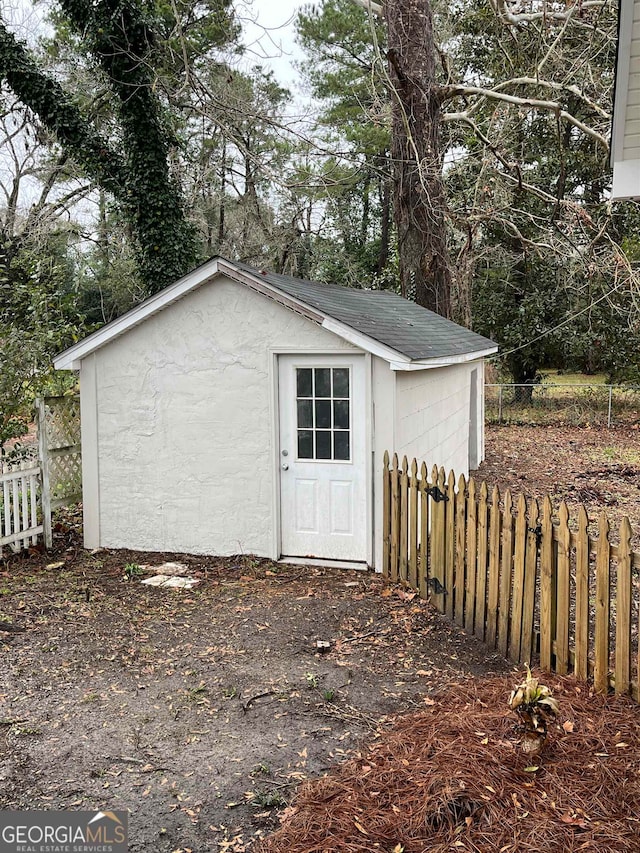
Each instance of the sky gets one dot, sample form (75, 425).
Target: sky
(269, 35)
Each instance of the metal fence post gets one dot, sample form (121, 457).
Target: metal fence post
(43, 453)
(609, 412)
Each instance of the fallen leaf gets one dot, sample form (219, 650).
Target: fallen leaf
(406, 596)
(567, 726)
(573, 820)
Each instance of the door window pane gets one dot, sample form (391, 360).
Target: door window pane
(341, 414)
(323, 413)
(323, 382)
(305, 413)
(303, 382)
(323, 444)
(340, 381)
(305, 444)
(341, 445)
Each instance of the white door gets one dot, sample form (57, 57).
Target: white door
(323, 483)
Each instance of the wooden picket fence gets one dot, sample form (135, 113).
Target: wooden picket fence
(20, 505)
(518, 577)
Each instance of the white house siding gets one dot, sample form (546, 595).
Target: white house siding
(631, 148)
(626, 128)
(433, 415)
(182, 422)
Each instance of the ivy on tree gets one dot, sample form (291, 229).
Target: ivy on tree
(135, 166)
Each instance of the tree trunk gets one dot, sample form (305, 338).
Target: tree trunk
(525, 377)
(385, 216)
(419, 200)
(223, 191)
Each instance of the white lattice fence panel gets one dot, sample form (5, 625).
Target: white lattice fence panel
(60, 417)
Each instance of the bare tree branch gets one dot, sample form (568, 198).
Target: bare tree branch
(369, 6)
(448, 92)
(511, 12)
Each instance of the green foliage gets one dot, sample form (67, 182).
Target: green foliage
(38, 318)
(268, 800)
(345, 72)
(187, 33)
(312, 680)
(534, 198)
(132, 571)
(517, 298)
(235, 156)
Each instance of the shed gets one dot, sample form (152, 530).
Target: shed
(240, 411)
(625, 136)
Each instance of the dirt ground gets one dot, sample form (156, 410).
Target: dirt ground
(200, 710)
(597, 467)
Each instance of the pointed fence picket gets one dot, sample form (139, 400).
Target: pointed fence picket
(523, 579)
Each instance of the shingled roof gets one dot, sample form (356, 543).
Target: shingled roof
(407, 335)
(384, 316)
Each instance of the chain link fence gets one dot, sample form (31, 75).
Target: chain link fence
(549, 404)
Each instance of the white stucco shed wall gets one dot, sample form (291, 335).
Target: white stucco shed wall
(429, 415)
(383, 384)
(435, 410)
(179, 424)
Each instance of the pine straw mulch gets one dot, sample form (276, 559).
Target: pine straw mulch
(453, 778)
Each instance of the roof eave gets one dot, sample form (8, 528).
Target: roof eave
(364, 342)
(444, 361)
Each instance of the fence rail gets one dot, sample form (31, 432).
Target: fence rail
(520, 577)
(574, 404)
(20, 508)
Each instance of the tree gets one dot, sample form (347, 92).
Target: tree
(38, 315)
(416, 153)
(132, 162)
(234, 161)
(494, 87)
(348, 171)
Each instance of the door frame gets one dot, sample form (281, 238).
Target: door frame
(274, 385)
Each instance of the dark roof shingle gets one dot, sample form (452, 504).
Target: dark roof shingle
(382, 315)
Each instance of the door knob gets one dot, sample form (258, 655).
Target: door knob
(285, 466)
